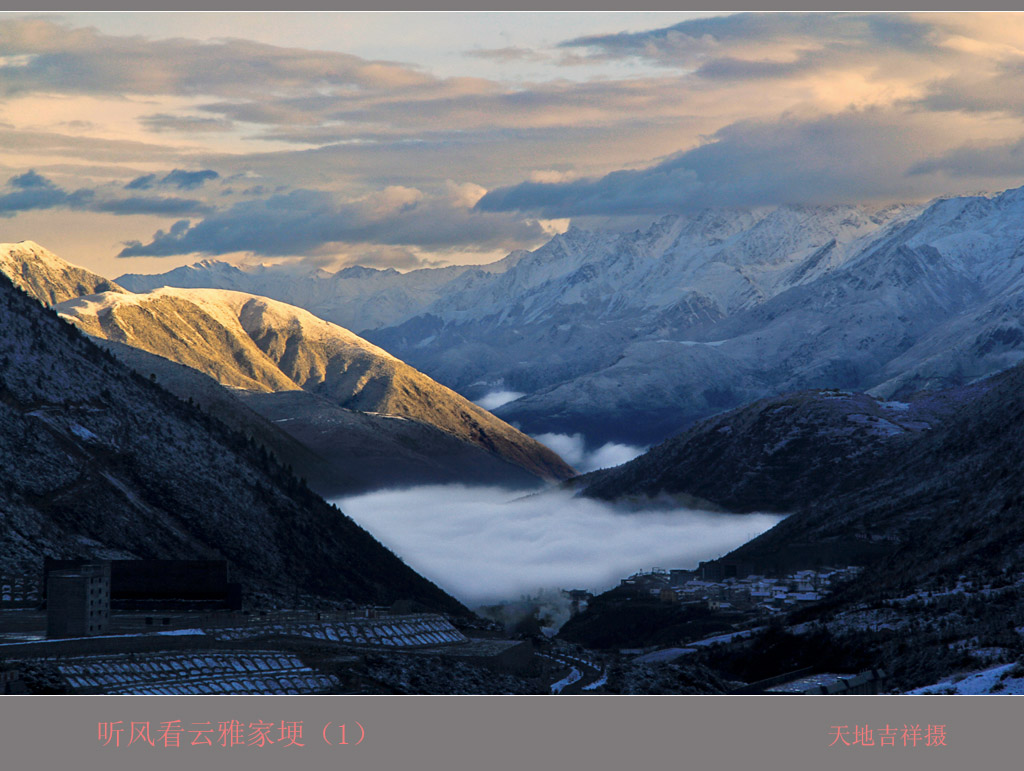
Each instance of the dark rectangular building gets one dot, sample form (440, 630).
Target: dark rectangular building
(166, 584)
(78, 601)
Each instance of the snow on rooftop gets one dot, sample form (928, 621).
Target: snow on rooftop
(213, 672)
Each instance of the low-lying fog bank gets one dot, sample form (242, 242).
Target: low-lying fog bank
(484, 544)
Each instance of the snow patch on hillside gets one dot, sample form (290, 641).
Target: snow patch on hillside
(993, 680)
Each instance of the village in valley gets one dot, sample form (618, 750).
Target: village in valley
(733, 586)
(166, 626)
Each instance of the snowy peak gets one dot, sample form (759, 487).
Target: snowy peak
(355, 298)
(794, 297)
(46, 276)
(215, 274)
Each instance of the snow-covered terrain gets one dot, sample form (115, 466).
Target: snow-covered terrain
(51, 280)
(1006, 678)
(631, 336)
(258, 344)
(406, 632)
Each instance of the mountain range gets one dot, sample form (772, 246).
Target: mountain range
(632, 337)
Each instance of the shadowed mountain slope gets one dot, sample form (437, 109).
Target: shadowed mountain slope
(779, 454)
(97, 461)
(949, 502)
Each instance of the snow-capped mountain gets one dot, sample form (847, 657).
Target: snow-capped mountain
(257, 344)
(633, 336)
(46, 276)
(354, 298)
(418, 429)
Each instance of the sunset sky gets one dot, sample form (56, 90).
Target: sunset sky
(140, 142)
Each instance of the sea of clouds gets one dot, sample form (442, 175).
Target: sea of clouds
(484, 544)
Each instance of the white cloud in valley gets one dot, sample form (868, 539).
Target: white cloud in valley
(574, 451)
(484, 544)
(495, 399)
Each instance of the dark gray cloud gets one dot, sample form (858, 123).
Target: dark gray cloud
(1000, 89)
(1000, 161)
(189, 180)
(32, 191)
(30, 179)
(848, 157)
(302, 222)
(78, 125)
(165, 206)
(732, 68)
(489, 157)
(144, 182)
(183, 180)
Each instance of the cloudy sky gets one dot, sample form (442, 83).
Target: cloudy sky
(139, 142)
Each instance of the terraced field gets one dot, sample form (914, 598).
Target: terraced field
(204, 672)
